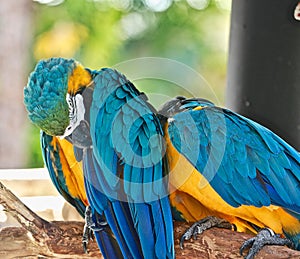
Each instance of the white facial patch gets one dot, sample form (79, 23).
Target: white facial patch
(76, 112)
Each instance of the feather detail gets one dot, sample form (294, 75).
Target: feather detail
(127, 149)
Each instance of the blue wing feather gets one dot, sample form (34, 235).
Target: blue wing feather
(122, 125)
(112, 209)
(240, 147)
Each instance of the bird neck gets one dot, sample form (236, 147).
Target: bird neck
(79, 79)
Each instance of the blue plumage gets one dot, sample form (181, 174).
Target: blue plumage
(122, 125)
(238, 146)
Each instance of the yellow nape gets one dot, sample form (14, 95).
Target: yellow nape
(79, 79)
(72, 169)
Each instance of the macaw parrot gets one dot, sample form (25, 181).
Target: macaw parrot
(118, 137)
(67, 176)
(230, 167)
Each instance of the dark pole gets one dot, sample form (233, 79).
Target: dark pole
(264, 65)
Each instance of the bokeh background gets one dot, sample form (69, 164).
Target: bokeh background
(98, 33)
(102, 33)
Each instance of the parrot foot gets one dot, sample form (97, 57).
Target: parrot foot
(90, 226)
(264, 237)
(200, 226)
(87, 231)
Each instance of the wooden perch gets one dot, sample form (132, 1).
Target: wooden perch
(39, 238)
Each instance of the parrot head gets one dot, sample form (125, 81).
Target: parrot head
(53, 97)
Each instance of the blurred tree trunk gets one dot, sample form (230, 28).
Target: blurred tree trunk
(15, 37)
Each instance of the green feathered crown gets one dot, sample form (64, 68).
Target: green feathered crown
(45, 95)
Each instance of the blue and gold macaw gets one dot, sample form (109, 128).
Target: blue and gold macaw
(230, 167)
(117, 136)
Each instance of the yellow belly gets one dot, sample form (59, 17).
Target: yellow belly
(72, 169)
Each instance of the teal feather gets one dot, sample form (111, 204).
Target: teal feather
(45, 95)
(121, 126)
(261, 160)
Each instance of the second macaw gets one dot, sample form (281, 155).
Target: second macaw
(225, 165)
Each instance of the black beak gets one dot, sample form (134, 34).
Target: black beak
(81, 137)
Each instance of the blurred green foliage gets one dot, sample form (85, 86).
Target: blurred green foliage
(101, 33)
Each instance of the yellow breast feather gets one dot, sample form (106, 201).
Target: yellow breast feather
(72, 169)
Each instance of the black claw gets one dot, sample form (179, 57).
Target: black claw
(86, 236)
(182, 239)
(202, 225)
(234, 228)
(87, 230)
(84, 244)
(248, 243)
(264, 237)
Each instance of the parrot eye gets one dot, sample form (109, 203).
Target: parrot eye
(67, 132)
(71, 103)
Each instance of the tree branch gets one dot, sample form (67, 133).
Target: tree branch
(223, 243)
(60, 239)
(38, 236)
